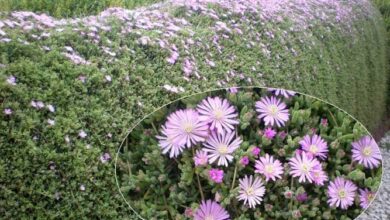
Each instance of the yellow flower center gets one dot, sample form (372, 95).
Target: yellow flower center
(269, 168)
(188, 127)
(273, 110)
(218, 113)
(313, 149)
(305, 168)
(250, 191)
(342, 194)
(370, 196)
(222, 149)
(367, 151)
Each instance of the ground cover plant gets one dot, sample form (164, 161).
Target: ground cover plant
(71, 88)
(249, 153)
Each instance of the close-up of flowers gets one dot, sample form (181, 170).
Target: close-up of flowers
(192, 163)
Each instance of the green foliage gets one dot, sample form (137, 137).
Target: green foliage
(69, 8)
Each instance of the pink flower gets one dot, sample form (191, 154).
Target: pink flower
(366, 152)
(302, 166)
(233, 90)
(188, 212)
(8, 111)
(244, 160)
(271, 168)
(11, 80)
(218, 113)
(302, 197)
(221, 146)
(285, 93)
(366, 197)
(341, 193)
(185, 128)
(324, 122)
(216, 175)
(272, 111)
(200, 158)
(167, 145)
(269, 133)
(315, 146)
(105, 157)
(251, 191)
(82, 134)
(256, 151)
(210, 210)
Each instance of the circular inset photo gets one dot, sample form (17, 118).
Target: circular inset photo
(248, 153)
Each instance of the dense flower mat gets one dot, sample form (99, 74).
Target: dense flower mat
(249, 154)
(71, 88)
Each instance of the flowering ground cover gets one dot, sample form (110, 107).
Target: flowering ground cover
(71, 88)
(249, 153)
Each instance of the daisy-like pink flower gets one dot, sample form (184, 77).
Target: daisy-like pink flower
(366, 152)
(365, 196)
(302, 166)
(269, 133)
(185, 128)
(216, 175)
(221, 146)
(8, 111)
(200, 158)
(272, 169)
(283, 92)
(210, 210)
(167, 145)
(272, 111)
(11, 80)
(319, 176)
(218, 113)
(341, 193)
(251, 191)
(315, 146)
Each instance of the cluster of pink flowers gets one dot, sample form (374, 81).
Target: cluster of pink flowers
(211, 129)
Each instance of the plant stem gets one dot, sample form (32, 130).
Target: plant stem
(154, 128)
(234, 176)
(165, 202)
(334, 119)
(198, 180)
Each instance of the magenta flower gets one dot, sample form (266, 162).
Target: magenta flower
(366, 152)
(269, 167)
(167, 145)
(324, 122)
(341, 193)
(244, 160)
(366, 196)
(221, 146)
(272, 111)
(185, 128)
(210, 210)
(256, 151)
(302, 166)
(283, 92)
(216, 175)
(251, 191)
(200, 158)
(301, 197)
(218, 113)
(314, 146)
(269, 133)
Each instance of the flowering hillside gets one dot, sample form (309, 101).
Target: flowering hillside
(72, 88)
